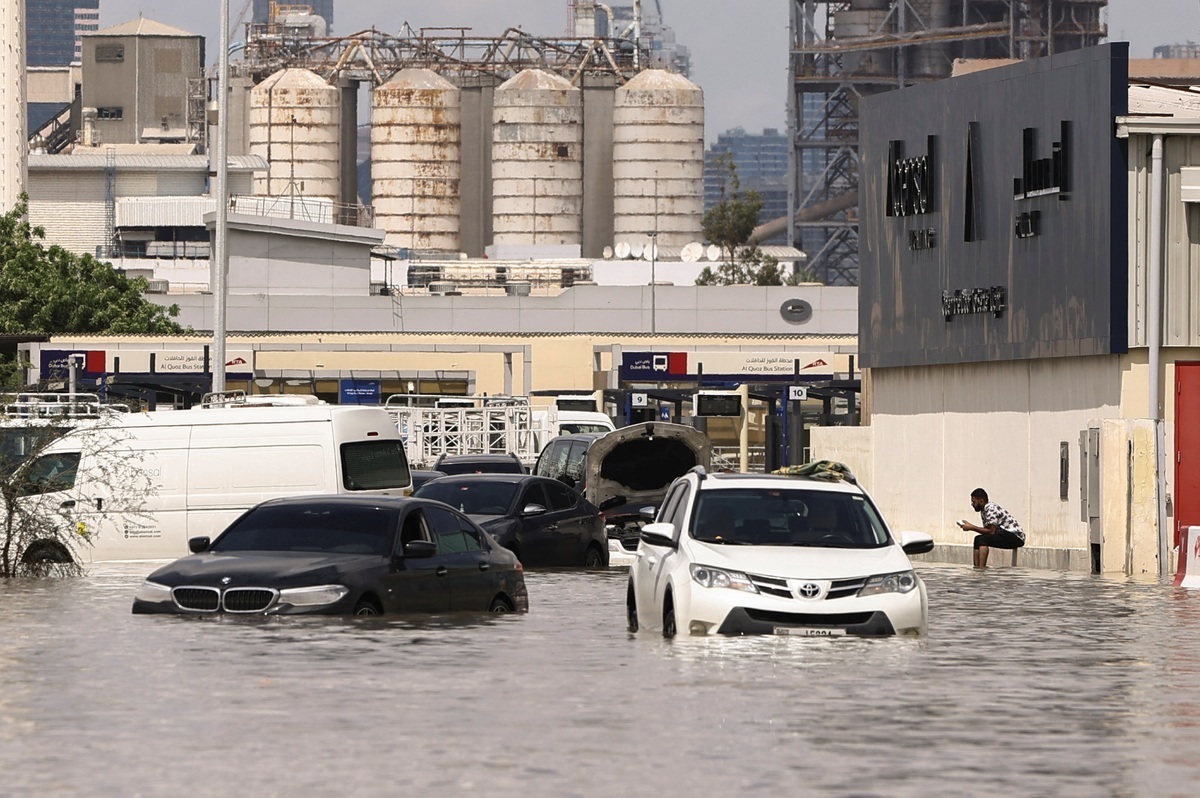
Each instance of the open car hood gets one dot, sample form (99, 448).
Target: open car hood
(637, 463)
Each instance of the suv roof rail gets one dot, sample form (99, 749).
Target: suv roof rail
(699, 471)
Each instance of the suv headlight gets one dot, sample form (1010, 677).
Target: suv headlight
(153, 593)
(900, 582)
(715, 577)
(312, 596)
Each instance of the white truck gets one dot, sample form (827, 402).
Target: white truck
(136, 486)
(484, 425)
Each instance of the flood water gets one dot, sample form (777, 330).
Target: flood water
(1029, 684)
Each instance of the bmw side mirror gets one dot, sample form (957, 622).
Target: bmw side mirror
(420, 549)
(916, 542)
(198, 545)
(660, 535)
(533, 509)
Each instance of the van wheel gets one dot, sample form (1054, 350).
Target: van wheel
(367, 606)
(594, 558)
(47, 552)
(500, 605)
(669, 620)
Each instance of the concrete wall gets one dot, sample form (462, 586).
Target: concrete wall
(13, 136)
(688, 310)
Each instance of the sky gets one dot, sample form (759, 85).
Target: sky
(739, 47)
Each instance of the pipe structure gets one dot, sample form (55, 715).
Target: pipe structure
(1154, 342)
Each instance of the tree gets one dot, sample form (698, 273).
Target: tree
(46, 522)
(730, 224)
(50, 290)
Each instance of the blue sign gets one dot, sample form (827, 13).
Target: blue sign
(358, 392)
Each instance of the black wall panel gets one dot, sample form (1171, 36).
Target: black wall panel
(993, 214)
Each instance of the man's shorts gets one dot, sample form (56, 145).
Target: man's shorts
(1003, 539)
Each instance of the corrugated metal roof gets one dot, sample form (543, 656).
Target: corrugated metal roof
(141, 27)
(237, 163)
(1151, 100)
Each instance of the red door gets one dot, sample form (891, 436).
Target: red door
(1187, 447)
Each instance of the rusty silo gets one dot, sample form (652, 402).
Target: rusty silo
(416, 144)
(295, 124)
(658, 159)
(537, 160)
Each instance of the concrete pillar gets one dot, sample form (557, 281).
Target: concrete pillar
(14, 145)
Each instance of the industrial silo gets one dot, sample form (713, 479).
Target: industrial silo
(658, 160)
(537, 160)
(295, 124)
(416, 144)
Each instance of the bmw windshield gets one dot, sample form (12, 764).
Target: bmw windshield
(313, 528)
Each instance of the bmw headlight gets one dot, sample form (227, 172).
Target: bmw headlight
(153, 593)
(901, 582)
(715, 577)
(313, 596)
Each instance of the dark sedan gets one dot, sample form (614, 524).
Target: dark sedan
(341, 555)
(541, 520)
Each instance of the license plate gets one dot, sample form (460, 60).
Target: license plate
(802, 631)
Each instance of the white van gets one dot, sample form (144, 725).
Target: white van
(552, 423)
(137, 485)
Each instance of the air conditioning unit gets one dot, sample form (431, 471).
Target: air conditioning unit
(157, 286)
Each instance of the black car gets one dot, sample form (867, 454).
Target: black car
(541, 520)
(420, 477)
(480, 464)
(340, 555)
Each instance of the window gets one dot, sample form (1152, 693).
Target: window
(110, 113)
(311, 527)
(533, 495)
(575, 461)
(50, 473)
(454, 534)
(110, 53)
(483, 498)
(374, 465)
(561, 498)
(554, 460)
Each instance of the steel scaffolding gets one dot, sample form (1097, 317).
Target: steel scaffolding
(844, 50)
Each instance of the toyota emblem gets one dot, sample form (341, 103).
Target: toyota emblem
(810, 590)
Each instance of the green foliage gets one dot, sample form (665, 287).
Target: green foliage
(729, 225)
(51, 290)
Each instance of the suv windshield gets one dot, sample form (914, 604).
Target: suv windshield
(787, 517)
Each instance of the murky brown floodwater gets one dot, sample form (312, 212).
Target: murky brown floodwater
(1029, 684)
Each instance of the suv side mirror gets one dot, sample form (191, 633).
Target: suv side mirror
(647, 514)
(660, 535)
(916, 542)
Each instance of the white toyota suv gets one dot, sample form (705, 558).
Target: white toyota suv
(754, 554)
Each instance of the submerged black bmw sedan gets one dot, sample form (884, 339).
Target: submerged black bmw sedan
(341, 555)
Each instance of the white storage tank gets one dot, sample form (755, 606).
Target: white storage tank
(537, 160)
(416, 156)
(658, 160)
(295, 124)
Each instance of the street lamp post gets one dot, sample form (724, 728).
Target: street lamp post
(220, 268)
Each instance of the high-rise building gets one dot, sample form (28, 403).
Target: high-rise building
(53, 27)
(761, 162)
(322, 8)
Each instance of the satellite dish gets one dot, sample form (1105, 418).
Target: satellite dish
(713, 252)
(636, 249)
(650, 251)
(691, 252)
(621, 250)
(608, 253)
